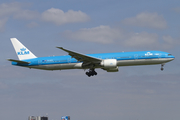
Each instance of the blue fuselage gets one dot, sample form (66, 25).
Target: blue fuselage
(123, 59)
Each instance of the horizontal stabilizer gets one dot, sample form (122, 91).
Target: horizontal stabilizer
(18, 61)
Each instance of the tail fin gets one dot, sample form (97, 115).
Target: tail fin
(21, 51)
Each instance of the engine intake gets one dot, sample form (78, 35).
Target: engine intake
(109, 63)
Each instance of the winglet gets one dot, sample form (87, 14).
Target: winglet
(63, 49)
(60, 48)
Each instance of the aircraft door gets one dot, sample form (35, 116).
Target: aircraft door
(159, 55)
(39, 62)
(69, 60)
(136, 56)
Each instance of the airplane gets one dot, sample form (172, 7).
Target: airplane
(109, 62)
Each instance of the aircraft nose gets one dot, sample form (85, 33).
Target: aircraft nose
(172, 57)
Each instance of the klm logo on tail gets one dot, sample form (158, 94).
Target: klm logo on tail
(23, 52)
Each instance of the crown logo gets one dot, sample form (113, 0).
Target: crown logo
(23, 49)
(148, 54)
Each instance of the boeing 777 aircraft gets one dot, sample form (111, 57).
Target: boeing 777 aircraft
(106, 61)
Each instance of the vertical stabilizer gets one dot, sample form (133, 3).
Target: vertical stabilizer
(21, 51)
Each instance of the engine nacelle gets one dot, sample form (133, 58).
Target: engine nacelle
(109, 63)
(112, 69)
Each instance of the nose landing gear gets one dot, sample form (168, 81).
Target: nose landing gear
(91, 72)
(162, 65)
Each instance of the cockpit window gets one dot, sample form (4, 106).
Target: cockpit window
(169, 54)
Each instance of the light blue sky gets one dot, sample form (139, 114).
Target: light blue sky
(86, 26)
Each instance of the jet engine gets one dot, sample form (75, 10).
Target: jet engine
(109, 63)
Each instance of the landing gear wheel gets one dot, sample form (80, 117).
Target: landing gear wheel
(95, 73)
(91, 72)
(162, 65)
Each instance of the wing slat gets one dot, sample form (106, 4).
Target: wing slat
(81, 57)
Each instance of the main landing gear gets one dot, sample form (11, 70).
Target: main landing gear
(162, 65)
(91, 72)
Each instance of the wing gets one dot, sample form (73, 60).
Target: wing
(86, 59)
(18, 61)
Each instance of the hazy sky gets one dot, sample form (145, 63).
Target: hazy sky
(90, 26)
